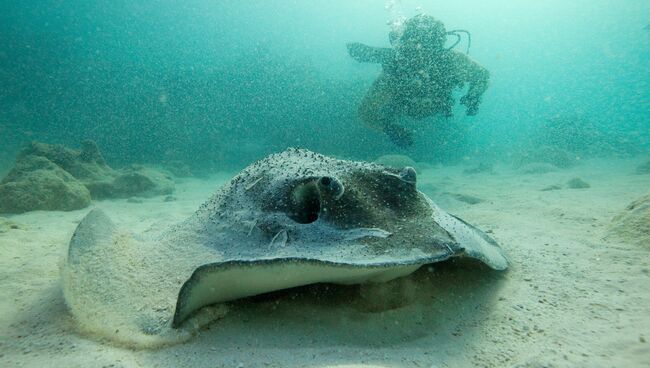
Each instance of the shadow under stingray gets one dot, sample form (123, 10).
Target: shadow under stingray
(446, 299)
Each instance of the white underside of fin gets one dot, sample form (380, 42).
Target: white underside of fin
(218, 285)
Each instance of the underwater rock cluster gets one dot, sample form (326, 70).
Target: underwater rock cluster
(54, 177)
(178, 168)
(563, 140)
(36, 183)
(138, 180)
(581, 136)
(550, 156)
(632, 225)
(575, 183)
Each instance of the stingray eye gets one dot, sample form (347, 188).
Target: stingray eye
(408, 175)
(331, 186)
(305, 203)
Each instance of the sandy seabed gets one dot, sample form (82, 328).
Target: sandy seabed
(570, 298)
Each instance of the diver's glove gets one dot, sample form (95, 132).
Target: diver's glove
(368, 54)
(400, 136)
(355, 48)
(471, 103)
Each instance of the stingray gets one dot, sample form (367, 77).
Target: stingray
(291, 219)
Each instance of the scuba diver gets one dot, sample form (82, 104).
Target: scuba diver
(418, 77)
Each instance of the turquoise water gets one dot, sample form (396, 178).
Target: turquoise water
(218, 84)
(180, 96)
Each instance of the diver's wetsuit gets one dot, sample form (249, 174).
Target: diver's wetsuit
(416, 87)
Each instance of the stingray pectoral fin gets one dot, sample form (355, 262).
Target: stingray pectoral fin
(476, 243)
(95, 230)
(221, 282)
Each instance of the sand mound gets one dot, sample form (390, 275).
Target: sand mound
(124, 290)
(555, 156)
(632, 225)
